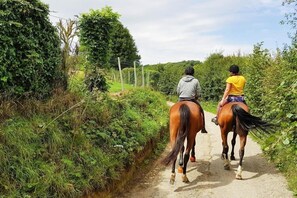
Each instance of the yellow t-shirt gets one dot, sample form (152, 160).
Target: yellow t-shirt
(237, 85)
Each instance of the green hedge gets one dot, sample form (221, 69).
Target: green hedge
(30, 49)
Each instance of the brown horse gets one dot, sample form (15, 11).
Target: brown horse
(186, 120)
(235, 117)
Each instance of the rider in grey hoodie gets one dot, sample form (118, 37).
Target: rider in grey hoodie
(189, 88)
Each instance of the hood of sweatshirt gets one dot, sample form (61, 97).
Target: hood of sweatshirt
(187, 78)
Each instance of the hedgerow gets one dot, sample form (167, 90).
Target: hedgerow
(30, 49)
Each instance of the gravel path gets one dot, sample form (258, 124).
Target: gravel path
(208, 177)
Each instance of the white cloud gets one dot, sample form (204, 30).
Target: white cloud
(175, 30)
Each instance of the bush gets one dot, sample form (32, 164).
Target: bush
(30, 49)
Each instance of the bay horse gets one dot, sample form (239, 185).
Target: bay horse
(235, 116)
(185, 121)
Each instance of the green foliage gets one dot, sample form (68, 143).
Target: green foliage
(76, 83)
(209, 106)
(213, 72)
(129, 77)
(30, 53)
(96, 80)
(260, 61)
(272, 94)
(211, 77)
(95, 35)
(117, 87)
(95, 30)
(148, 78)
(289, 54)
(290, 17)
(166, 76)
(69, 147)
(123, 46)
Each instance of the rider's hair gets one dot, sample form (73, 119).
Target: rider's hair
(189, 71)
(234, 69)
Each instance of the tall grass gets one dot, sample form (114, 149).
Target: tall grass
(72, 145)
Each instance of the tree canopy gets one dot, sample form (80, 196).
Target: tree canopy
(95, 30)
(123, 46)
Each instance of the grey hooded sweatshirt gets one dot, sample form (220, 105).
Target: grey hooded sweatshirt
(188, 87)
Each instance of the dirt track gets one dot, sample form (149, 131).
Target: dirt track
(209, 179)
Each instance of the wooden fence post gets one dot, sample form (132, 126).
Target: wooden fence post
(135, 77)
(119, 63)
(142, 76)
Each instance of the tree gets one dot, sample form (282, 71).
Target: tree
(30, 49)
(67, 32)
(123, 46)
(291, 17)
(212, 76)
(95, 30)
(260, 61)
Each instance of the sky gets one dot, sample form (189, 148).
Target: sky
(177, 30)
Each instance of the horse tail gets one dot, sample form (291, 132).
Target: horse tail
(183, 132)
(248, 121)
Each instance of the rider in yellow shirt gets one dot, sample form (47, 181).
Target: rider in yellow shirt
(234, 89)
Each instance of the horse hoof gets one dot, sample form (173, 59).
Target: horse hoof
(172, 181)
(232, 158)
(180, 169)
(239, 177)
(193, 159)
(227, 166)
(185, 179)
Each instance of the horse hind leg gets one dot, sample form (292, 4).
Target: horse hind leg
(241, 155)
(233, 142)
(224, 156)
(181, 160)
(193, 158)
(239, 168)
(227, 165)
(186, 159)
(172, 177)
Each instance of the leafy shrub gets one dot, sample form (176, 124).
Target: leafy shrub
(96, 80)
(30, 49)
(272, 94)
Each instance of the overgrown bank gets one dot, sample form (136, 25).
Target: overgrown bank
(70, 146)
